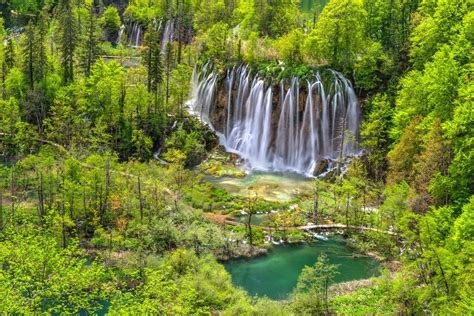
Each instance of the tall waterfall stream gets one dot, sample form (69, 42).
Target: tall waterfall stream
(290, 126)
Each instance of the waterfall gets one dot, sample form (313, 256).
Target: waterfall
(137, 38)
(120, 34)
(134, 33)
(168, 34)
(203, 93)
(314, 121)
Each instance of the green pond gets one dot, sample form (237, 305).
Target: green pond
(275, 275)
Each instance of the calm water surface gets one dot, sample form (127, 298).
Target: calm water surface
(276, 274)
(278, 187)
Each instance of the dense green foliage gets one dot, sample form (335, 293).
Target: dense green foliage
(91, 222)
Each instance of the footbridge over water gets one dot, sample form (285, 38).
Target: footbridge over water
(314, 227)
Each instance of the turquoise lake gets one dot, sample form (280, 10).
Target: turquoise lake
(275, 275)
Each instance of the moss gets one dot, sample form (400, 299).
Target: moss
(210, 198)
(219, 169)
(274, 70)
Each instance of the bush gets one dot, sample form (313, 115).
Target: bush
(193, 140)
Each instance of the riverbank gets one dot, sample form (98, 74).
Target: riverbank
(242, 251)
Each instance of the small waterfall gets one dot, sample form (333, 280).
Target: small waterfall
(293, 134)
(137, 38)
(134, 33)
(120, 34)
(203, 93)
(168, 34)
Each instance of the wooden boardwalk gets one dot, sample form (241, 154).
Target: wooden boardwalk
(315, 227)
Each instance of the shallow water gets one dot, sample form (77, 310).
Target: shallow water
(282, 187)
(276, 274)
(257, 219)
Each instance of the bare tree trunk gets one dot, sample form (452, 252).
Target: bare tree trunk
(249, 225)
(251, 205)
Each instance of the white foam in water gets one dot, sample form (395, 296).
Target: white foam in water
(298, 137)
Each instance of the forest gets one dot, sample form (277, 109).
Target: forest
(151, 148)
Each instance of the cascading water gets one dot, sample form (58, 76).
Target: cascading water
(168, 34)
(134, 33)
(284, 135)
(120, 34)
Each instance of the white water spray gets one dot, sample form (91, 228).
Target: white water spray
(289, 136)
